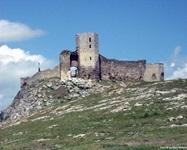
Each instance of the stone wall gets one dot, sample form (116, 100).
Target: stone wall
(89, 73)
(49, 73)
(116, 70)
(87, 48)
(93, 66)
(154, 72)
(64, 64)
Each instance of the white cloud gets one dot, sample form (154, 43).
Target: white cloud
(1, 96)
(15, 31)
(8, 55)
(172, 64)
(180, 72)
(176, 67)
(16, 63)
(176, 51)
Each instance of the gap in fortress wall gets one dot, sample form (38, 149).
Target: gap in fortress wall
(86, 63)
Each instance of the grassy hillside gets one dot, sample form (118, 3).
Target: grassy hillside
(129, 115)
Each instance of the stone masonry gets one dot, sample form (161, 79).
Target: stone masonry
(116, 70)
(49, 73)
(91, 65)
(88, 55)
(154, 72)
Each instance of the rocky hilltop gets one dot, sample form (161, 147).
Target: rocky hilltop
(78, 114)
(39, 94)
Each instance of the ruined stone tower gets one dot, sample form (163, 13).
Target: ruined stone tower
(154, 72)
(88, 52)
(89, 64)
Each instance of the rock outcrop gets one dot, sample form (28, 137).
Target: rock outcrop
(46, 92)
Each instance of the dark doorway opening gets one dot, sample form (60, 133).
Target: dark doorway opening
(73, 59)
(162, 76)
(74, 64)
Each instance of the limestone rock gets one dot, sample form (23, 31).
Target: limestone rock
(31, 99)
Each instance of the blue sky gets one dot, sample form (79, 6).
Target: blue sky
(155, 30)
(128, 29)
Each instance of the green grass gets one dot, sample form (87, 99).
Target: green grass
(144, 127)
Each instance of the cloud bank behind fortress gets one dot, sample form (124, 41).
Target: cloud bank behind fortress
(91, 65)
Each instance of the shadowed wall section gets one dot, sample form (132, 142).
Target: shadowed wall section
(64, 63)
(116, 70)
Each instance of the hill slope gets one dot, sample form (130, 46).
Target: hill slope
(102, 115)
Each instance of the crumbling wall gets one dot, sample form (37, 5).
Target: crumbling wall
(116, 70)
(154, 72)
(55, 72)
(89, 73)
(64, 64)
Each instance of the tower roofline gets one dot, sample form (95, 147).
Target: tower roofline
(86, 33)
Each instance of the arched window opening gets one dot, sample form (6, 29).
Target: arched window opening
(162, 76)
(74, 64)
(153, 76)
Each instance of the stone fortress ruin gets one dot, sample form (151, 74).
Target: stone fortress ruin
(87, 64)
(91, 65)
